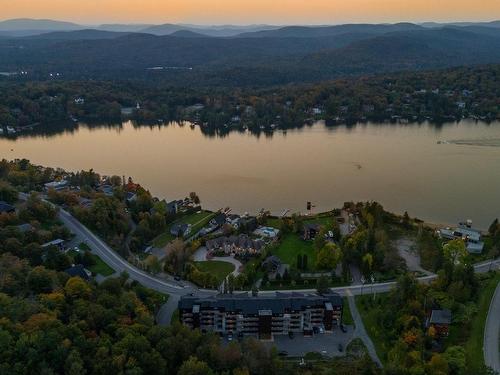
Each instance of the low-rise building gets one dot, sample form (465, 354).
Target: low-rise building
(262, 316)
(311, 230)
(464, 231)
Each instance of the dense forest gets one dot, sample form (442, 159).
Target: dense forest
(261, 59)
(437, 96)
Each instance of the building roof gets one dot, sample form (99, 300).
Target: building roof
(278, 304)
(78, 271)
(5, 207)
(440, 317)
(53, 243)
(25, 227)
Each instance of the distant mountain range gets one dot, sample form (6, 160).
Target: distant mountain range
(28, 27)
(258, 55)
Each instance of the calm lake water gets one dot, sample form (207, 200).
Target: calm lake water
(401, 166)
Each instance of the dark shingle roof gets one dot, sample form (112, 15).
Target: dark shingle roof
(440, 317)
(79, 271)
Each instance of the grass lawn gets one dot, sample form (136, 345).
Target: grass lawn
(99, 266)
(369, 315)
(346, 314)
(291, 245)
(474, 344)
(197, 220)
(217, 268)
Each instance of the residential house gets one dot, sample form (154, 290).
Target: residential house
(6, 208)
(233, 220)
(131, 196)
(274, 267)
(56, 185)
(248, 223)
(440, 320)
(471, 237)
(262, 316)
(180, 229)
(59, 243)
(79, 271)
(311, 230)
(218, 220)
(236, 245)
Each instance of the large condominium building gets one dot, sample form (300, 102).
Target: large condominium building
(262, 316)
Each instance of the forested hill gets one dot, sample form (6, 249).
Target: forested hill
(283, 56)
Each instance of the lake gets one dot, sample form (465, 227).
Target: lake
(401, 166)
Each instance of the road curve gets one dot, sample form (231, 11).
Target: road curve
(492, 332)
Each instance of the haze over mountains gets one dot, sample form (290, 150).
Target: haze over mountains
(239, 55)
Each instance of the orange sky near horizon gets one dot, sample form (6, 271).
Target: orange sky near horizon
(252, 11)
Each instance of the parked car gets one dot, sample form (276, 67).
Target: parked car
(341, 348)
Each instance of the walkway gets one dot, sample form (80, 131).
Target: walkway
(361, 332)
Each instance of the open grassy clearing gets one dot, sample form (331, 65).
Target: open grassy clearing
(215, 267)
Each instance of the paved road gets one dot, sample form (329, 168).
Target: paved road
(492, 333)
(361, 332)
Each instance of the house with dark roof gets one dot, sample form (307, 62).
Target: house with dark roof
(262, 316)
(79, 270)
(6, 208)
(59, 243)
(218, 220)
(236, 245)
(180, 229)
(311, 230)
(440, 320)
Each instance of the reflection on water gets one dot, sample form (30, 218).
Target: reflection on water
(402, 166)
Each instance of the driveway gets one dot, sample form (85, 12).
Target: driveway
(201, 256)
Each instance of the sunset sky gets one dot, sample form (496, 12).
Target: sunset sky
(252, 11)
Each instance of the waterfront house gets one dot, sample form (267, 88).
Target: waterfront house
(471, 237)
(180, 229)
(218, 220)
(56, 185)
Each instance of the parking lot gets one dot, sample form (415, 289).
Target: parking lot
(324, 343)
